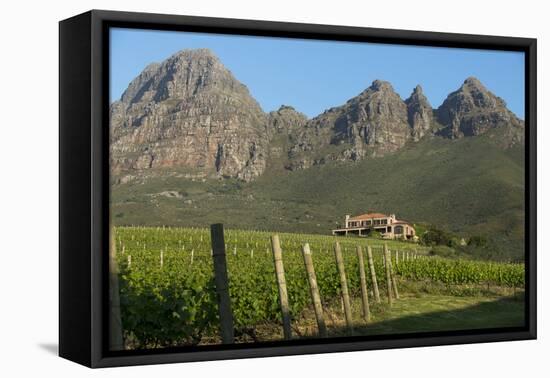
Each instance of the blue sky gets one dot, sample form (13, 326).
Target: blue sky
(313, 76)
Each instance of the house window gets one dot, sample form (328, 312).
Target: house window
(384, 221)
(389, 229)
(398, 230)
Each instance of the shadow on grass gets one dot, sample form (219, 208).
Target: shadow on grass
(401, 317)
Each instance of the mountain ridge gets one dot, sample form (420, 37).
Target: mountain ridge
(190, 111)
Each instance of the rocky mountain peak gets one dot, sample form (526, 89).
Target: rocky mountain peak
(284, 108)
(379, 91)
(371, 124)
(473, 94)
(418, 90)
(202, 60)
(419, 113)
(417, 96)
(381, 85)
(286, 119)
(195, 54)
(473, 110)
(473, 90)
(473, 81)
(189, 112)
(182, 75)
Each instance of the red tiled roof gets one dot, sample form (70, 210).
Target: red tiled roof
(369, 216)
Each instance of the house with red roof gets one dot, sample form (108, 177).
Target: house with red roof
(387, 225)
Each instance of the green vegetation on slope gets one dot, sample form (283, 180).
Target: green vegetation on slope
(469, 186)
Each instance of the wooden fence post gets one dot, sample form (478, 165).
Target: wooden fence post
(396, 257)
(312, 279)
(343, 285)
(388, 273)
(363, 280)
(116, 341)
(373, 274)
(222, 283)
(281, 283)
(394, 283)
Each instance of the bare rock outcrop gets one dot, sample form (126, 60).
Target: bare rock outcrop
(473, 110)
(371, 124)
(419, 114)
(189, 111)
(286, 120)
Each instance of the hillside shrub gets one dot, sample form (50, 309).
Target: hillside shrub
(436, 236)
(442, 251)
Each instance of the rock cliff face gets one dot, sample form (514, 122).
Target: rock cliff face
(371, 124)
(419, 114)
(190, 113)
(472, 110)
(286, 120)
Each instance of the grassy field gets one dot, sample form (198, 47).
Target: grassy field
(168, 296)
(415, 313)
(425, 313)
(468, 186)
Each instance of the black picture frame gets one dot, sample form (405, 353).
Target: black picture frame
(84, 185)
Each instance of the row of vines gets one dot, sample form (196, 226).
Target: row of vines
(168, 296)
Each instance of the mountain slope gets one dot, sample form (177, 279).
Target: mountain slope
(468, 185)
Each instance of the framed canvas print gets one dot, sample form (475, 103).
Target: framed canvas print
(234, 188)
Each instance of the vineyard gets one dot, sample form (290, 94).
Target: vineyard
(168, 295)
